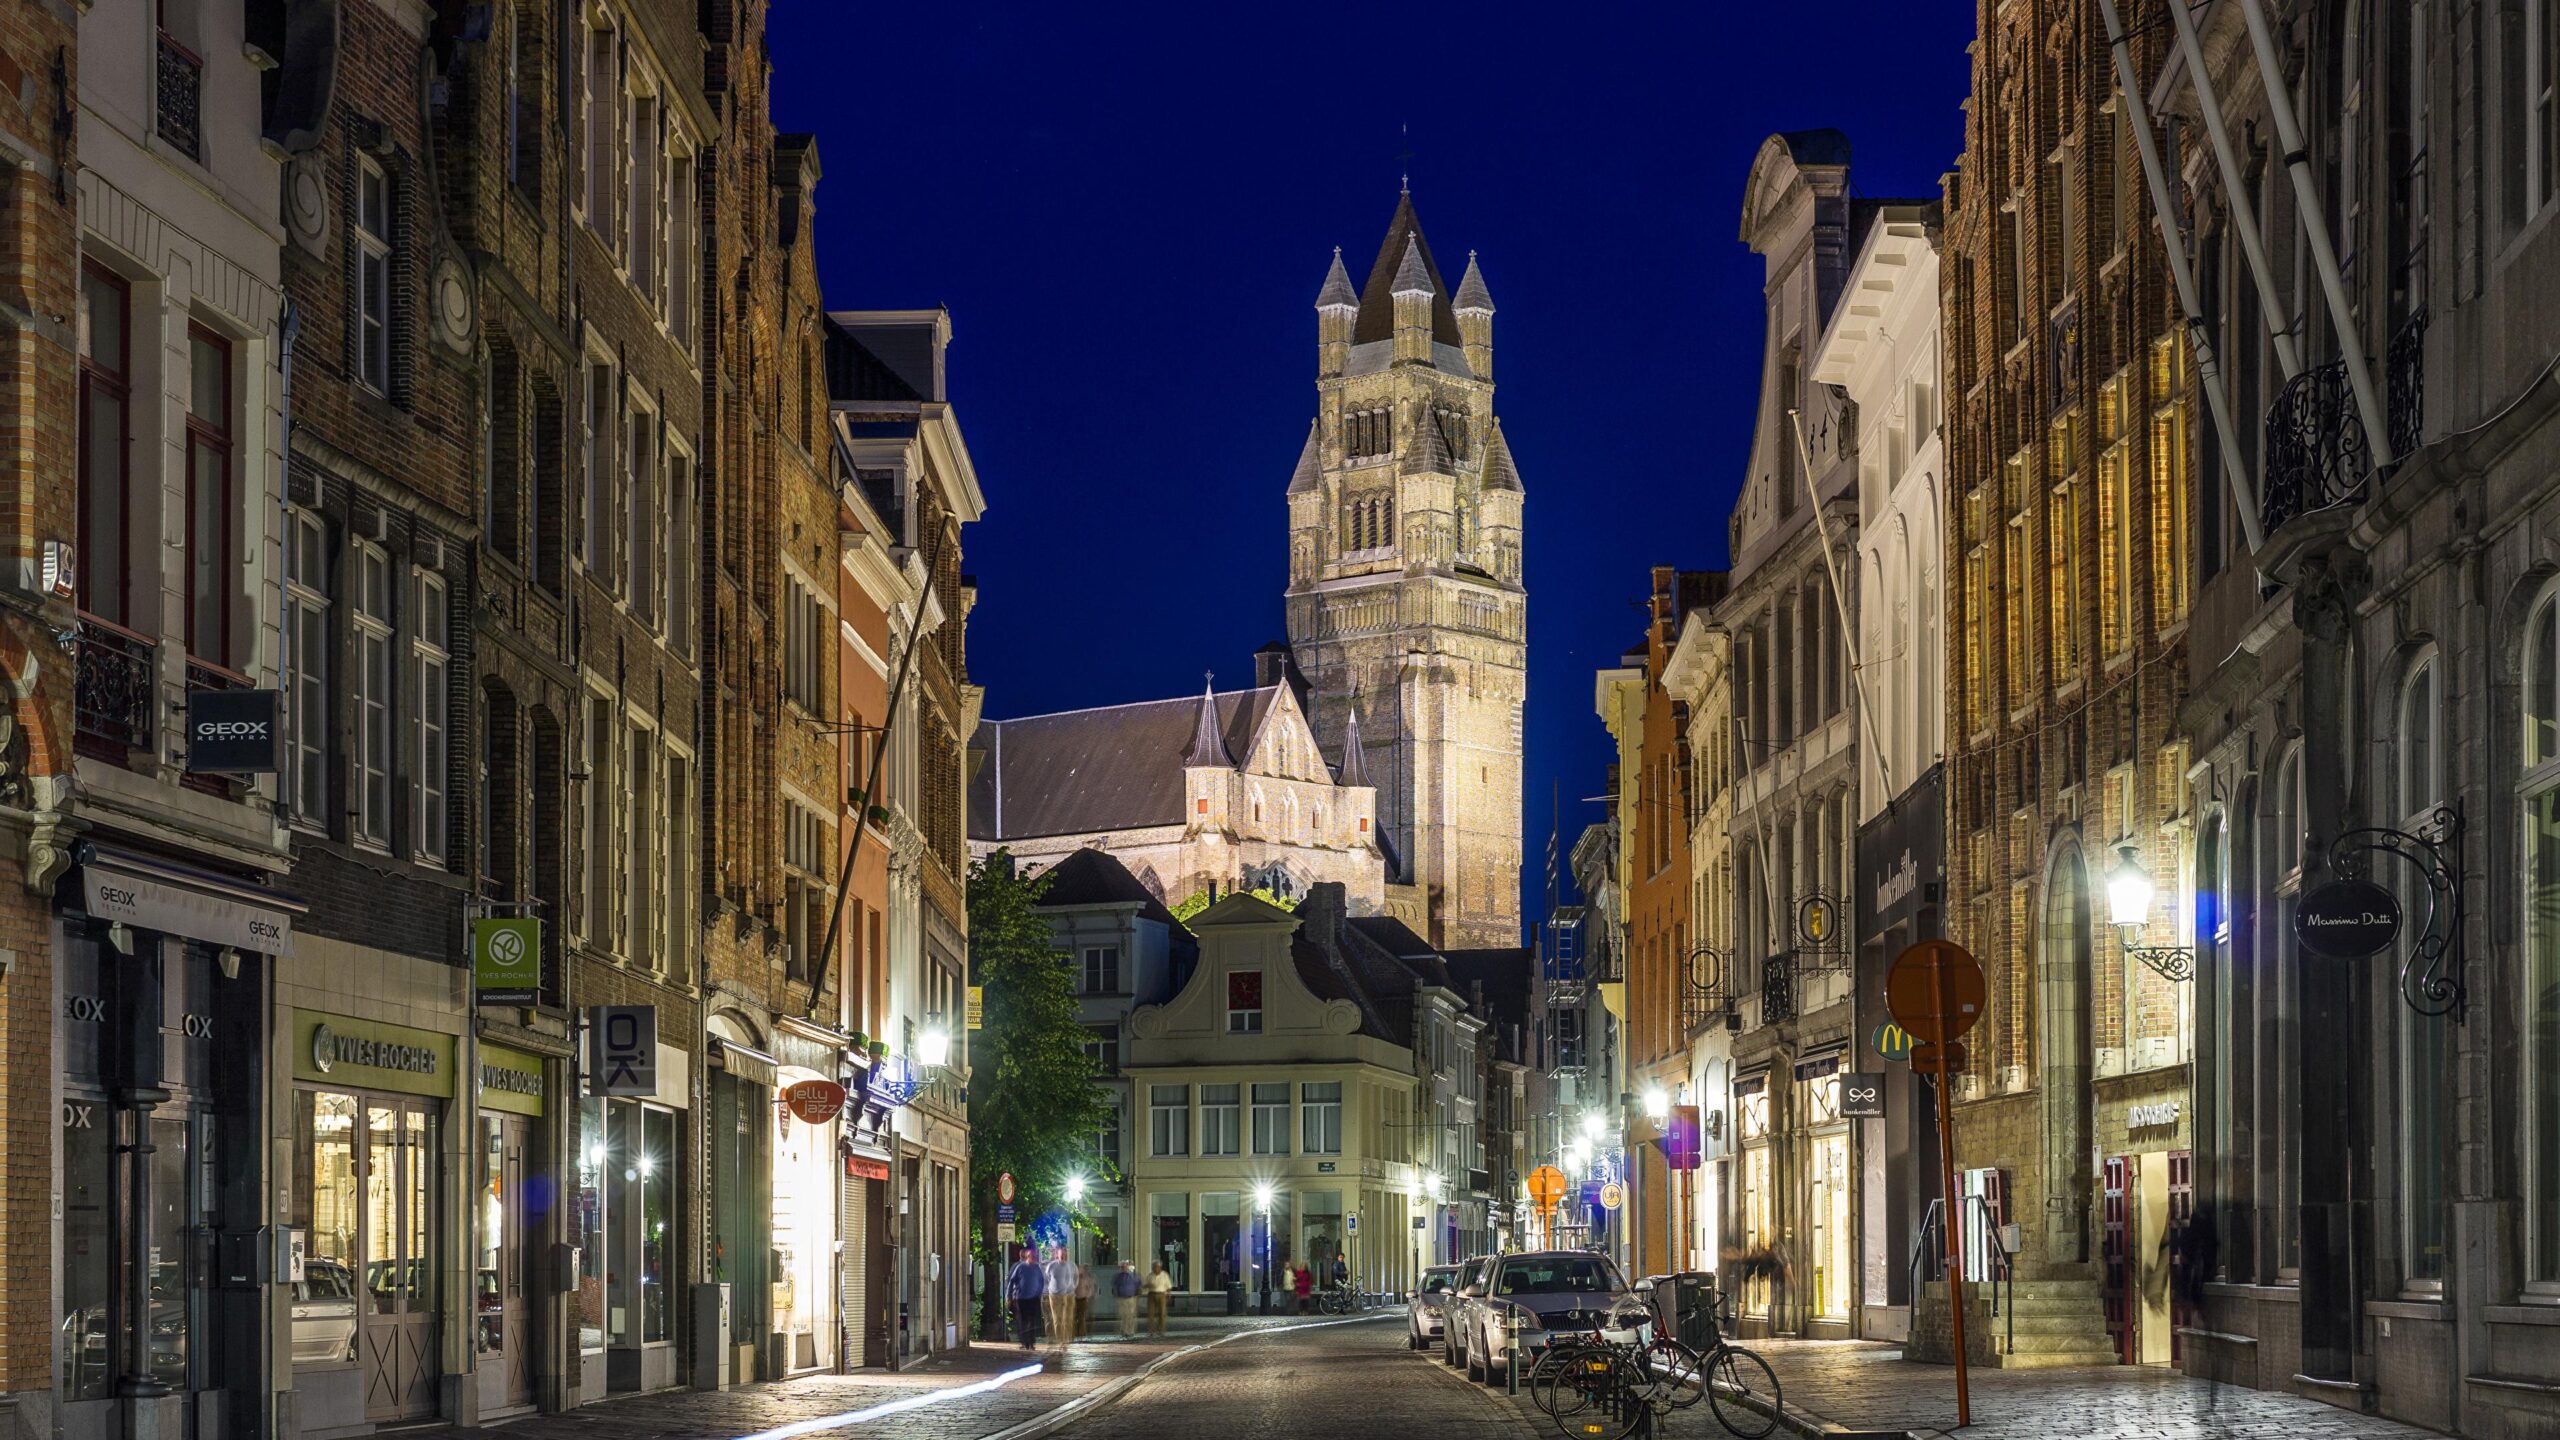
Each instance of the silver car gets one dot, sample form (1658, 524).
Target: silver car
(1527, 1301)
(1430, 1306)
(1465, 1289)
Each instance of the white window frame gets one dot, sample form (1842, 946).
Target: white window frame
(374, 763)
(598, 460)
(1270, 1118)
(2541, 101)
(2418, 787)
(643, 184)
(600, 152)
(431, 701)
(306, 620)
(1222, 1122)
(372, 301)
(1320, 1120)
(678, 478)
(644, 838)
(2540, 778)
(1108, 957)
(683, 188)
(1169, 1119)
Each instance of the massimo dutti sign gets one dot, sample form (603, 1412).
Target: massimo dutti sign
(2348, 919)
(340, 1050)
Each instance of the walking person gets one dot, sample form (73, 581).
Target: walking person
(1159, 1298)
(1084, 1301)
(1124, 1288)
(1061, 1293)
(1024, 1285)
(1304, 1282)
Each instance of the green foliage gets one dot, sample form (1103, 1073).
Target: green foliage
(1033, 1106)
(1199, 900)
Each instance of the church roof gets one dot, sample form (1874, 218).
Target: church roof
(1377, 317)
(1306, 478)
(1337, 285)
(1499, 472)
(1410, 276)
(1096, 877)
(1118, 767)
(1355, 764)
(1471, 292)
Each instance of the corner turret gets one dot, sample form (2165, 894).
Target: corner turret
(1475, 320)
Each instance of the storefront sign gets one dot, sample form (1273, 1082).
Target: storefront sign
(1891, 1042)
(1612, 1195)
(2153, 1116)
(510, 1080)
(814, 1102)
(2348, 919)
(506, 959)
(231, 732)
(369, 1055)
(1862, 1095)
(1902, 852)
(148, 903)
(863, 1167)
(622, 1050)
(977, 1007)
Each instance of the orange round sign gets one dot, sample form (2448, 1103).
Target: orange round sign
(1546, 1186)
(814, 1102)
(1935, 991)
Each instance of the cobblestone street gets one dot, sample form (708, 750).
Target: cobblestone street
(1867, 1387)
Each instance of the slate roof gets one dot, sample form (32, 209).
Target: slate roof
(1305, 479)
(1377, 317)
(1504, 973)
(1471, 292)
(1096, 877)
(1337, 285)
(1118, 767)
(1414, 953)
(1499, 472)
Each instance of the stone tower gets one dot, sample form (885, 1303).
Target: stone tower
(1405, 604)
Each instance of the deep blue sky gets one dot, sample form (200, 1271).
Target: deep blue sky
(1129, 211)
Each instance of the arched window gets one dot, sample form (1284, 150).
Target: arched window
(2538, 792)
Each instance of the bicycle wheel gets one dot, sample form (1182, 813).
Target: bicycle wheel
(1605, 1402)
(1554, 1385)
(1679, 1369)
(1743, 1391)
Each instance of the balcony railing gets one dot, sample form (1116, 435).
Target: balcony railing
(2316, 450)
(111, 689)
(181, 97)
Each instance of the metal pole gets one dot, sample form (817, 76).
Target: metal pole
(1947, 1163)
(1840, 603)
(2182, 271)
(2244, 211)
(2333, 286)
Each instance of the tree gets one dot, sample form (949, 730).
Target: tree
(1199, 901)
(1033, 1106)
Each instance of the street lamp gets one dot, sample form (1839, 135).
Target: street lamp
(1075, 1189)
(2129, 893)
(1262, 1202)
(933, 1047)
(1593, 1124)
(1657, 1104)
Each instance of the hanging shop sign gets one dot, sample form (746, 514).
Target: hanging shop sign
(622, 1050)
(1612, 1195)
(506, 959)
(510, 1080)
(232, 732)
(977, 1007)
(369, 1055)
(1891, 1042)
(892, 1082)
(814, 1102)
(863, 1167)
(1818, 921)
(2348, 919)
(1862, 1095)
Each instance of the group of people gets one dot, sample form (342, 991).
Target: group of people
(1298, 1283)
(1055, 1300)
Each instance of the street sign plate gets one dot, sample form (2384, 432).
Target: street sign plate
(1935, 991)
(1351, 1222)
(1924, 1058)
(1862, 1095)
(1546, 1186)
(1004, 1213)
(1004, 1233)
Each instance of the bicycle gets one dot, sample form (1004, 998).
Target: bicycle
(1340, 1300)
(1626, 1381)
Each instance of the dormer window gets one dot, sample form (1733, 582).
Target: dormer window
(1244, 1002)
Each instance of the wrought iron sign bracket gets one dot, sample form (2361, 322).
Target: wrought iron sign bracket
(1820, 947)
(2174, 963)
(2431, 976)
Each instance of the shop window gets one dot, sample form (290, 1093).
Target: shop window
(2539, 795)
(1169, 1220)
(594, 1167)
(1222, 1257)
(88, 1341)
(2420, 1039)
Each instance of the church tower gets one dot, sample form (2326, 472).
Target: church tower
(1405, 606)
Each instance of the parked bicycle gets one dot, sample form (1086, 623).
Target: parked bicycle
(1341, 1300)
(1598, 1389)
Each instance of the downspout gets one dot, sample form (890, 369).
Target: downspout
(2244, 211)
(2182, 271)
(2377, 433)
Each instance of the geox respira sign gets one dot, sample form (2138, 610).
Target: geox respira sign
(232, 732)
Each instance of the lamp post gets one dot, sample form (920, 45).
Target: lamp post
(2129, 892)
(1262, 1202)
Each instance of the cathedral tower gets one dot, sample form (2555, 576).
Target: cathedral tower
(1405, 605)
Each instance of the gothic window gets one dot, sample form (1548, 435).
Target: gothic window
(1387, 519)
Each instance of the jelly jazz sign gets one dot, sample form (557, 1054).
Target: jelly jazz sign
(622, 1050)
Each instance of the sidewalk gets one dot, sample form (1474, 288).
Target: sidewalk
(811, 1401)
(1856, 1387)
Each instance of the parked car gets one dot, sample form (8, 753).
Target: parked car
(324, 1313)
(1428, 1309)
(1465, 1289)
(1530, 1299)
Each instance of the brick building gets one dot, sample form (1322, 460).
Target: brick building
(2071, 455)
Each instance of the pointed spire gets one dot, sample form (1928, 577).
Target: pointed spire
(1337, 291)
(1499, 471)
(1208, 746)
(1471, 292)
(1355, 768)
(1411, 277)
(1305, 479)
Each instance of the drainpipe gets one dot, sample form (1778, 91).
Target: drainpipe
(2182, 270)
(2244, 211)
(2377, 434)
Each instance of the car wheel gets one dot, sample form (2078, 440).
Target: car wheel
(1475, 1367)
(1449, 1348)
(1412, 1338)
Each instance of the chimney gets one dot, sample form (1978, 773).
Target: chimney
(1321, 914)
(1271, 665)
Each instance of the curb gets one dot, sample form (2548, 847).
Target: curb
(1109, 1391)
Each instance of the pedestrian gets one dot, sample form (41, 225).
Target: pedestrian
(1304, 1282)
(1341, 1273)
(1159, 1297)
(1061, 1293)
(1024, 1285)
(1084, 1301)
(1124, 1288)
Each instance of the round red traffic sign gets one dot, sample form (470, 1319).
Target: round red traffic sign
(1935, 991)
(1004, 1187)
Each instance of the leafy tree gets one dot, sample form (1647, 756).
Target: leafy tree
(1033, 1105)
(1199, 901)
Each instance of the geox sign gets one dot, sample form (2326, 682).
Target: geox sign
(232, 731)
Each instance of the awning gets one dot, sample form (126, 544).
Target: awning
(122, 887)
(752, 1066)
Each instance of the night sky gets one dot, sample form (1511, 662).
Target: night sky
(1129, 211)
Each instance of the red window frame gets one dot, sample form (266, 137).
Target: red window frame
(96, 567)
(212, 435)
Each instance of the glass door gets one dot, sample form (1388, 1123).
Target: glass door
(398, 1343)
(499, 1313)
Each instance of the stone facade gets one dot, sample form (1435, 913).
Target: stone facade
(1405, 607)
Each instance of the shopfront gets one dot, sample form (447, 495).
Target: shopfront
(630, 1163)
(1830, 1238)
(160, 1017)
(807, 1200)
(1901, 878)
(513, 1220)
(368, 1107)
(742, 1093)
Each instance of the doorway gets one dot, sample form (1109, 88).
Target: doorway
(501, 1316)
(396, 1342)
(2143, 1208)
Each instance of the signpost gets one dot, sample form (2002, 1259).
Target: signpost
(1936, 992)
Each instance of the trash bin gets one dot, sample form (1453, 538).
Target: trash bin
(1235, 1299)
(1684, 1307)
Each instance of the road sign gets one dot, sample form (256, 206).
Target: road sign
(1004, 1234)
(1862, 1095)
(1351, 1222)
(1004, 1187)
(1004, 1213)
(1935, 991)
(1891, 1042)
(1924, 1058)
(1612, 1195)
(1546, 1186)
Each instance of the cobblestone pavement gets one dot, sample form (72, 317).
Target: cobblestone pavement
(1859, 1386)
(754, 1409)
(1348, 1381)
